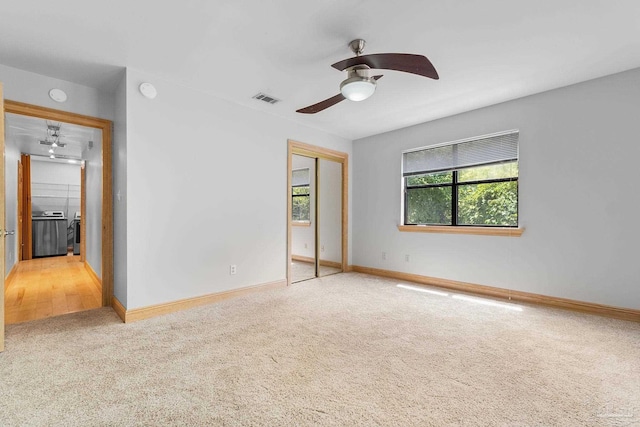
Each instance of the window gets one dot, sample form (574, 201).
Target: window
(300, 195)
(469, 183)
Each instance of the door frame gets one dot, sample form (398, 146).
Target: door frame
(106, 126)
(25, 250)
(313, 151)
(21, 206)
(83, 215)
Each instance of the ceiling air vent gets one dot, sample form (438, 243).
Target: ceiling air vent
(266, 98)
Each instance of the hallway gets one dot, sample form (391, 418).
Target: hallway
(48, 287)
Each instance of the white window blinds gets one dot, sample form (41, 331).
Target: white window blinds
(300, 177)
(482, 151)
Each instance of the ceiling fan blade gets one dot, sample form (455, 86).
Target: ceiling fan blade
(405, 62)
(315, 108)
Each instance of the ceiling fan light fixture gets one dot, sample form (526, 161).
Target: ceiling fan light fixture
(358, 88)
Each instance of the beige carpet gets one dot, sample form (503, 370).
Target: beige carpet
(345, 350)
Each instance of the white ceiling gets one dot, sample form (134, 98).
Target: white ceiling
(485, 51)
(25, 133)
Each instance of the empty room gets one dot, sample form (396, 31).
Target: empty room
(330, 213)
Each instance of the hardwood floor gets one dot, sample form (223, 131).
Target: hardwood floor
(48, 287)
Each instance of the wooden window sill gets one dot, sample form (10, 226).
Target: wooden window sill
(301, 223)
(482, 231)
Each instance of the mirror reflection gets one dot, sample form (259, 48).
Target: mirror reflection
(329, 217)
(303, 218)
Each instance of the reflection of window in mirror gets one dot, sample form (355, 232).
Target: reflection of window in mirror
(301, 196)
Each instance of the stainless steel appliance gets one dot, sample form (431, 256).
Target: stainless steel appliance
(49, 234)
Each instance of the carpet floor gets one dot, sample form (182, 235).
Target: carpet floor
(344, 350)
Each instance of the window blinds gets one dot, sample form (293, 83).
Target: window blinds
(300, 177)
(482, 151)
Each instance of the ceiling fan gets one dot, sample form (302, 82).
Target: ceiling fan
(361, 84)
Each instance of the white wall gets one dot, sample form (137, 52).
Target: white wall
(330, 200)
(45, 171)
(578, 197)
(24, 86)
(119, 156)
(11, 159)
(188, 213)
(303, 239)
(93, 212)
(65, 178)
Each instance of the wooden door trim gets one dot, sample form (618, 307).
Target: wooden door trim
(106, 126)
(20, 222)
(83, 215)
(25, 199)
(316, 214)
(28, 210)
(308, 150)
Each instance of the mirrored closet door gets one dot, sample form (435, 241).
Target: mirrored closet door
(329, 217)
(303, 218)
(316, 217)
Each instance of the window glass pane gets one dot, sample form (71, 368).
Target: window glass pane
(488, 204)
(304, 190)
(300, 208)
(429, 205)
(432, 178)
(503, 170)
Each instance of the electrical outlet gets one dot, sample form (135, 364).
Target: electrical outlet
(305, 246)
(232, 269)
(322, 248)
(384, 255)
(406, 257)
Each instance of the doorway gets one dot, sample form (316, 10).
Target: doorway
(317, 213)
(68, 202)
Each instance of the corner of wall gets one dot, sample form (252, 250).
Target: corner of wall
(120, 191)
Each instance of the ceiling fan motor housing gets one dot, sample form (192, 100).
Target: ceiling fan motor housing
(358, 86)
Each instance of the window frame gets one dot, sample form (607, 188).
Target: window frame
(293, 198)
(302, 222)
(468, 229)
(454, 185)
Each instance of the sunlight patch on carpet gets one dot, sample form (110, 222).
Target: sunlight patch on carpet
(462, 297)
(426, 291)
(487, 302)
